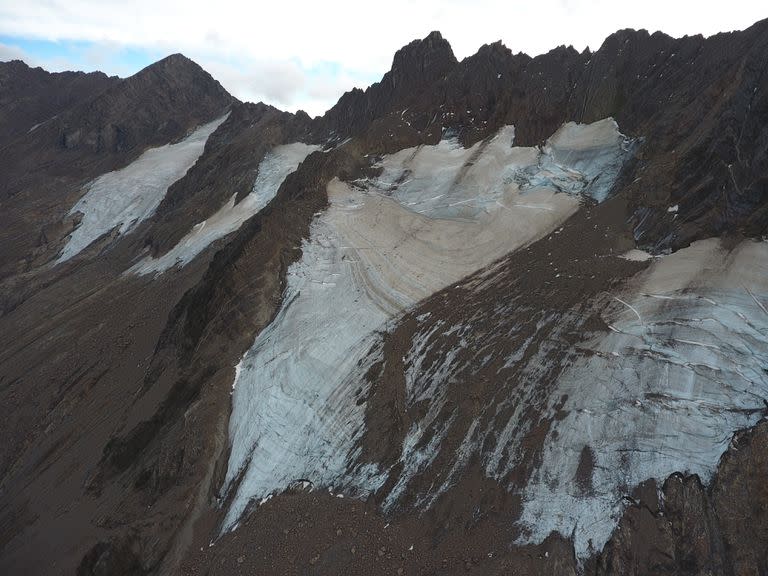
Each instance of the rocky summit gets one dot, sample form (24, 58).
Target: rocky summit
(503, 315)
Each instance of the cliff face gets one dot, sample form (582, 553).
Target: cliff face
(415, 335)
(693, 100)
(683, 527)
(31, 96)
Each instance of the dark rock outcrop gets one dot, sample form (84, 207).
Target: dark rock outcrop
(685, 528)
(415, 67)
(32, 96)
(96, 134)
(229, 167)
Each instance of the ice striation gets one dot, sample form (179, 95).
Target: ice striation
(273, 169)
(434, 215)
(582, 159)
(683, 367)
(124, 198)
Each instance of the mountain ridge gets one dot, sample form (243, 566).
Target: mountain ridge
(119, 386)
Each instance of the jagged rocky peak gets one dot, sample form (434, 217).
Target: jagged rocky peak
(178, 75)
(175, 66)
(416, 68)
(422, 61)
(493, 50)
(490, 63)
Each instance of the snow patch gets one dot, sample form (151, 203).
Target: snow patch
(637, 255)
(273, 170)
(433, 216)
(683, 368)
(128, 196)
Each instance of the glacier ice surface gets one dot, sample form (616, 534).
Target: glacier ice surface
(273, 169)
(434, 215)
(683, 367)
(130, 195)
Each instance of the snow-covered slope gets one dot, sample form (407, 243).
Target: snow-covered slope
(272, 171)
(682, 368)
(126, 197)
(434, 215)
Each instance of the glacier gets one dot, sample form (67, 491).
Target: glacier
(434, 215)
(273, 169)
(683, 367)
(124, 198)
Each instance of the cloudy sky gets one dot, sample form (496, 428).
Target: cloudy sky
(305, 54)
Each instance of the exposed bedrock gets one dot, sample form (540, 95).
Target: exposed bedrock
(84, 139)
(681, 527)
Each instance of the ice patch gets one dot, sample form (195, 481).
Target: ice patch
(274, 168)
(449, 181)
(683, 368)
(582, 159)
(293, 408)
(130, 195)
(433, 216)
(637, 255)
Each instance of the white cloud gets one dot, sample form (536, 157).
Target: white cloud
(277, 82)
(282, 83)
(9, 52)
(266, 40)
